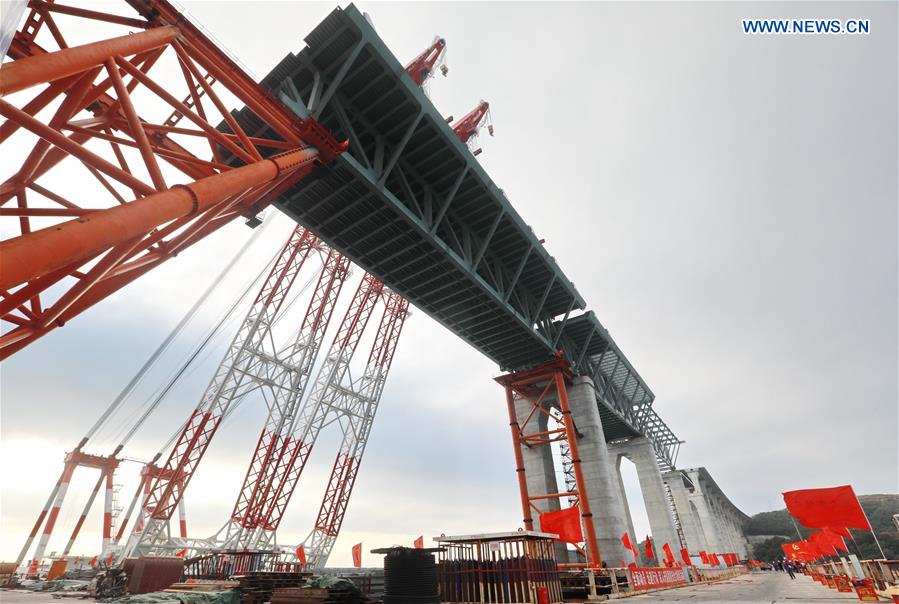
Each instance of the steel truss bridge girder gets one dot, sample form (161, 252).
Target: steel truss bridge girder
(410, 204)
(624, 399)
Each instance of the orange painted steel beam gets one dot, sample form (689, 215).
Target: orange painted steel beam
(104, 249)
(41, 252)
(31, 71)
(538, 382)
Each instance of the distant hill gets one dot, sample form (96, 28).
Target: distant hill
(879, 508)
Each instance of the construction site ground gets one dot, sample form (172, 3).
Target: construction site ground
(758, 587)
(766, 587)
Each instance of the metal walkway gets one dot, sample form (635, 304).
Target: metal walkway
(410, 204)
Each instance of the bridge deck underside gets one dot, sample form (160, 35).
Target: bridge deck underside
(410, 204)
(625, 401)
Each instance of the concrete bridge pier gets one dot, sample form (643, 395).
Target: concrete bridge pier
(609, 516)
(641, 452)
(690, 523)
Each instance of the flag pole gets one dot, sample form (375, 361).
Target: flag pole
(796, 526)
(868, 520)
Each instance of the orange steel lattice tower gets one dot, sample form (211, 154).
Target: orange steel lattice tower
(536, 386)
(173, 169)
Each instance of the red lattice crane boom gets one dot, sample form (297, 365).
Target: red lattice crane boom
(469, 125)
(422, 66)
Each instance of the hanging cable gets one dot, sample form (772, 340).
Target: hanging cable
(168, 340)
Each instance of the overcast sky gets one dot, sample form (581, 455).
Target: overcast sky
(726, 204)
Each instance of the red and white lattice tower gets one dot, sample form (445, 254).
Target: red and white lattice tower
(251, 363)
(358, 405)
(274, 439)
(311, 416)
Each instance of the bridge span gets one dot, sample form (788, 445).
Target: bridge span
(410, 204)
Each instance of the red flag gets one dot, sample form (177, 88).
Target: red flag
(564, 523)
(685, 556)
(301, 554)
(357, 555)
(649, 552)
(704, 557)
(714, 559)
(93, 561)
(669, 557)
(835, 506)
(626, 540)
(419, 543)
(840, 530)
(801, 550)
(109, 560)
(825, 541)
(623, 564)
(632, 566)
(181, 554)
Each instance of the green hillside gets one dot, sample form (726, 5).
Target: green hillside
(879, 508)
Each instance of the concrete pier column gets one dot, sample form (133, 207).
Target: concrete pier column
(709, 526)
(622, 494)
(640, 451)
(609, 516)
(686, 514)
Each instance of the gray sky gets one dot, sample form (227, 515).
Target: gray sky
(727, 204)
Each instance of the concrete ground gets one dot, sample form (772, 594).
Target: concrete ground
(767, 587)
(761, 588)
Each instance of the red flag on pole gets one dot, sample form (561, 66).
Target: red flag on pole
(93, 561)
(685, 556)
(564, 523)
(301, 555)
(419, 543)
(181, 554)
(669, 557)
(357, 555)
(649, 552)
(840, 530)
(704, 557)
(826, 540)
(714, 559)
(626, 541)
(834, 506)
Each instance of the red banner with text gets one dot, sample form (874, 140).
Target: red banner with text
(652, 578)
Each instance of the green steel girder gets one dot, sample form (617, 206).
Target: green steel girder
(409, 203)
(624, 399)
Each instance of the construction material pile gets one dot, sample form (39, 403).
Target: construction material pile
(258, 587)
